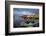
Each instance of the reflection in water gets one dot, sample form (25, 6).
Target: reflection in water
(25, 22)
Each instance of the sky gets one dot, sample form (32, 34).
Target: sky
(25, 11)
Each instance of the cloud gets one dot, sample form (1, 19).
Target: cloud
(27, 13)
